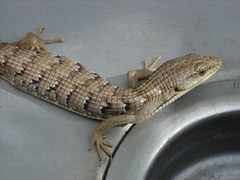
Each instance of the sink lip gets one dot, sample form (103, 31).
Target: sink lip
(140, 148)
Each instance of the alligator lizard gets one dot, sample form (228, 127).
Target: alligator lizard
(73, 86)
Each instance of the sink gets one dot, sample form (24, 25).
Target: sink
(196, 137)
(209, 149)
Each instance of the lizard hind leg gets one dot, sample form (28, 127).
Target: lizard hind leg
(107, 124)
(32, 41)
(135, 75)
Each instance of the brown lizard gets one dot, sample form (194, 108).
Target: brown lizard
(73, 86)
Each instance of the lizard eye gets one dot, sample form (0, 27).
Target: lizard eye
(202, 72)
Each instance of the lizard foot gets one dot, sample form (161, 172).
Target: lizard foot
(136, 75)
(32, 41)
(100, 144)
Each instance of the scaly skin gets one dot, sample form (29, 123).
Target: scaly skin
(71, 85)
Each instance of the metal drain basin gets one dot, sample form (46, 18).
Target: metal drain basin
(209, 149)
(196, 137)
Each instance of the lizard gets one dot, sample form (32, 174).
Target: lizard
(28, 66)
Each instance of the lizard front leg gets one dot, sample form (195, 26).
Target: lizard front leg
(32, 41)
(135, 75)
(104, 126)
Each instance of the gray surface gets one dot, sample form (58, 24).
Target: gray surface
(41, 141)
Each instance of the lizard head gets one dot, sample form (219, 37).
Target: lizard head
(193, 69)
(180, 75)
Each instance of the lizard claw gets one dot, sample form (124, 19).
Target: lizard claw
(151, 67)
(100, 144)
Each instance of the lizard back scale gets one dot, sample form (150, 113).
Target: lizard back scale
(64, 82)
(73, 86)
